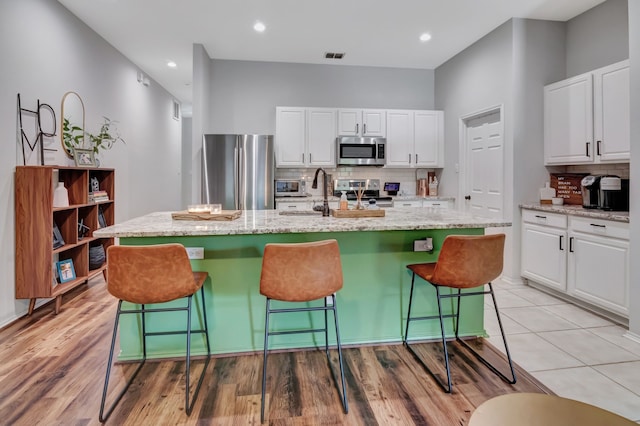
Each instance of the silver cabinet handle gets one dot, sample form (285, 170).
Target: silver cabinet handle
(303, 157)
(409, 158)
(364, 129)
(309, 158)
(416, 158)
(357, 127)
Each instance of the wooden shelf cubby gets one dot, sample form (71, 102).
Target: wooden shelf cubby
(35, 256)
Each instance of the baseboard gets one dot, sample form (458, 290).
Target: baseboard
(632, 336)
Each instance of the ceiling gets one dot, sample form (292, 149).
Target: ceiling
(379, 33)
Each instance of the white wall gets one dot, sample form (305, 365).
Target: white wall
(46, 52)
(201, 115)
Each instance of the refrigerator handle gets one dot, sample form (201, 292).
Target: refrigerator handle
(240, 181)
(236, 173)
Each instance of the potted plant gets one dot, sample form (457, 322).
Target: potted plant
(106, 137)
(74, 137)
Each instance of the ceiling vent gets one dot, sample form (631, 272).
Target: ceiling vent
(333, 55)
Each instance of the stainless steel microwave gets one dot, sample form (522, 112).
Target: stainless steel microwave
(290, 188)
(361, 151)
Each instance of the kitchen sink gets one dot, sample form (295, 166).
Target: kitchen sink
(300, 213)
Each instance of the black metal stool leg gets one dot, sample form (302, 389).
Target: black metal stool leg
(105, 415)
(444, 342)
(264, 360)
(345, 403)
(406, 331)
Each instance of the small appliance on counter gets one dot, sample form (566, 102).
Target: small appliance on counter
(291, 188)
(392, 188)
(614, 193)
(591, 192)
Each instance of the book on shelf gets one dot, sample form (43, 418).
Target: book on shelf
(97, 196)
(102, 222)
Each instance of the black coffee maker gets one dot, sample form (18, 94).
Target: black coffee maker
(591, 192)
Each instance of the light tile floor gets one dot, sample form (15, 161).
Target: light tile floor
(575, 353)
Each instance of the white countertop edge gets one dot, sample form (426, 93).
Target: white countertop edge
(576, 210)
(160, 224)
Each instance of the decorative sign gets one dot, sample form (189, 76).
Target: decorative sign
(568, 186)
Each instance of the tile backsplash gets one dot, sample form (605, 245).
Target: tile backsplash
(621, 170)
(406, 177)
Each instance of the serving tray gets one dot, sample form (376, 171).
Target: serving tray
(357, 213)
(223, 215)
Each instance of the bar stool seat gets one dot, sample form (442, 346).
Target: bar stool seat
(465, 262)
(302, 272)
(145, 275)
(535, 409)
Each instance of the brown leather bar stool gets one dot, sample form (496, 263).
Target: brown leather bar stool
(537, 409)
(465, 262)
(302, 272)
(153, 274)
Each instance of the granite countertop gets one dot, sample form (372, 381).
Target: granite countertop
(271, 222)
(577, 210)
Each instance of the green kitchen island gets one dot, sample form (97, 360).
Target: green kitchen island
(372, 306)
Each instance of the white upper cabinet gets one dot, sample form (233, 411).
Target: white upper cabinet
(305, 137)
(362, 122)
(612, 113)
(587, 117)
(415, 138)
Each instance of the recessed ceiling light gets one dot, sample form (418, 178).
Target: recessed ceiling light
(259, 27)
(171, 64)
(425, 37)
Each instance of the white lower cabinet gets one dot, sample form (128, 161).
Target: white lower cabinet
(599, 263)
(293, 205)
(544, 248)
(586, 258)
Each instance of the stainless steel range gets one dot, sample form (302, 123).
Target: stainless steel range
(371, 190)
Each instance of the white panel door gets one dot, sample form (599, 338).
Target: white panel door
(290, 137)
(321, 137)
(400, 138)
(485, 170)
(612, 113)
(568, 121)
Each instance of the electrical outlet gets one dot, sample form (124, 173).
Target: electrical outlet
(195, 252)
(329, 300)
(423, 245)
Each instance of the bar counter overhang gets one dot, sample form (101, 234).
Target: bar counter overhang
(372, 305)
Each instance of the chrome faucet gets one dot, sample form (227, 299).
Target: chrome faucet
(314, 185)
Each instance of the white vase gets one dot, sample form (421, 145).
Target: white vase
(60, 196)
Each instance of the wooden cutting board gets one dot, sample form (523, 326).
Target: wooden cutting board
(223, 215)
(357, 213)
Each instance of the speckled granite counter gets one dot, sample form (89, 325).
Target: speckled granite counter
(372, 303)
(271, 222)
(578, 211)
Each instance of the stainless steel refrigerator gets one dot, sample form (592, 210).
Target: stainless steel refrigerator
(238, 171)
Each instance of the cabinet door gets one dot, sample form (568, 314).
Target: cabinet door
(321, 137)
(429, 139)
(349, 122)
(290, 137)
(568, 121)
(400, 136)
(544, 257)
(374, 123)
(612, 116)
(599, 271)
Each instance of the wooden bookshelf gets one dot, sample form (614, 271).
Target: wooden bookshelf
(35, 215)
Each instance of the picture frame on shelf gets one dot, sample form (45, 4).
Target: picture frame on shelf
(58, 241)
(66, 272)
(84, 157)
(102, 221)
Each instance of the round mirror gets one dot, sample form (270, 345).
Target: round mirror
(71, 122)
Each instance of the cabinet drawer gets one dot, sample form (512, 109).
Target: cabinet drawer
(544, 218)
(407, 203)
(606, 228)
(436, 204)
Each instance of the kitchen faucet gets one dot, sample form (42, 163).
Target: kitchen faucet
(314, 185)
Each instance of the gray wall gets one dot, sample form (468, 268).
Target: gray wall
(244, 94)
(598, 37)
(46, 52)
(634, 169)
(201, 115)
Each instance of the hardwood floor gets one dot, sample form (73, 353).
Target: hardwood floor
(52, 372)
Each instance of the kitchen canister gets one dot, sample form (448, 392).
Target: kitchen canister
(60, 196)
